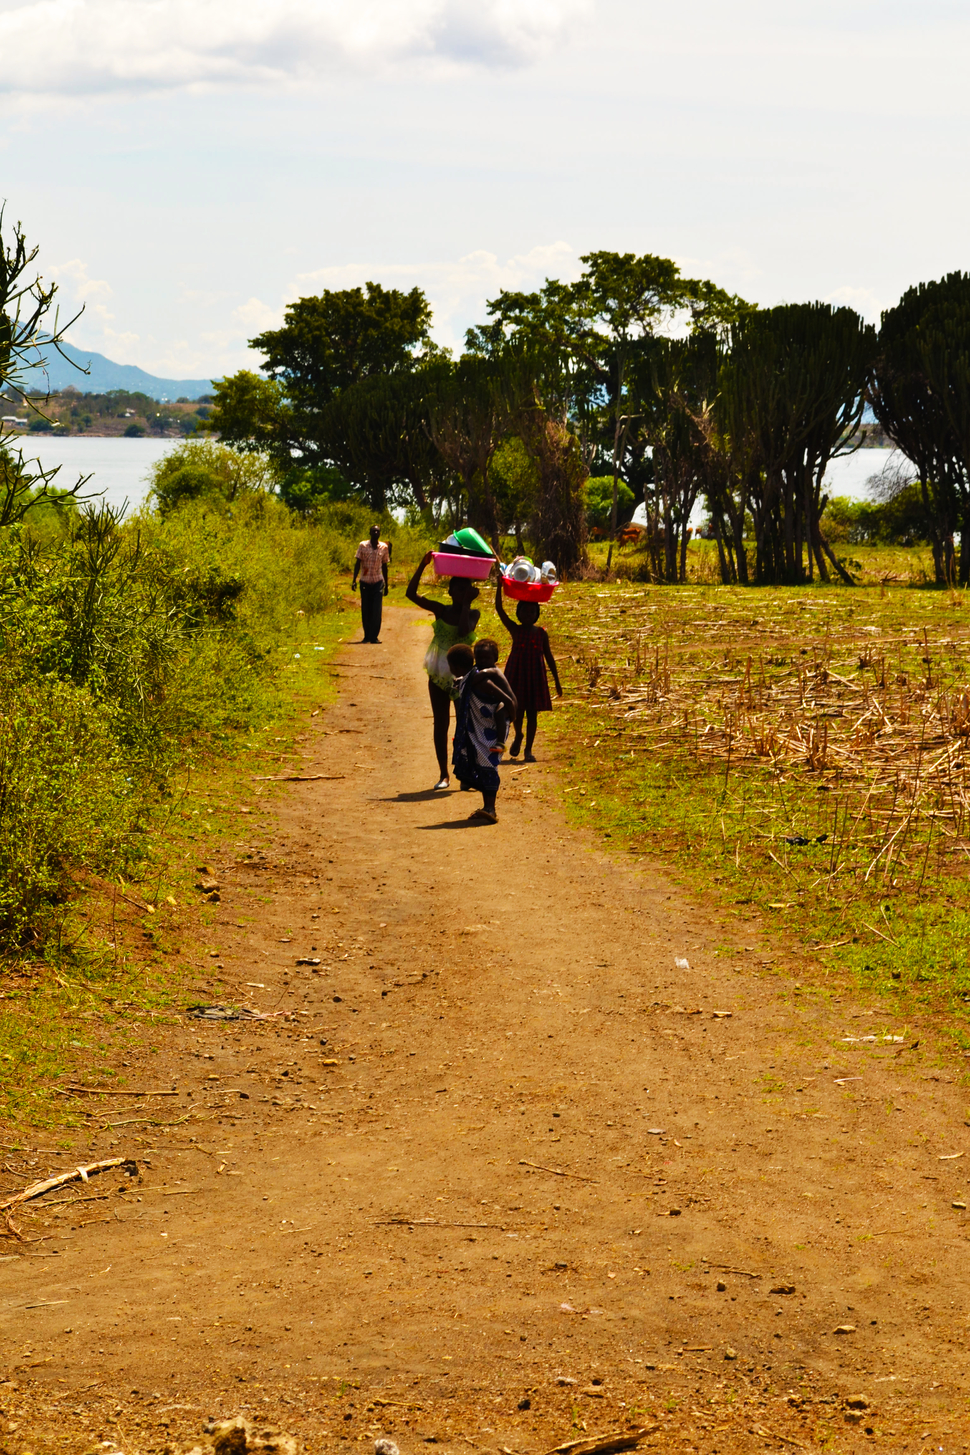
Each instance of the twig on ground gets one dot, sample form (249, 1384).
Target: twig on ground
(431, 1223)
(14, 1231)
(604, 1444)
(298, 777)
(146, 1121)
(775, 1435)
(73, 1201)
(555, 1171)
(37, 1189)
(108, 1091)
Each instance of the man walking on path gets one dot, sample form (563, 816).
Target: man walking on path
(373, 557)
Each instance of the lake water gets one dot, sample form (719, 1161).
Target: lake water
(119, 467)
(851, 474)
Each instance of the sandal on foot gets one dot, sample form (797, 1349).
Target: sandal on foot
(530, 758)
(484, 813)
(443, 783)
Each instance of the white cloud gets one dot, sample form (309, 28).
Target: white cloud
(118, 345)
(254, 316)
(73, 282)
(80, 294)
(863, 300)
(94, 329)
(457, 291)
(84, 46)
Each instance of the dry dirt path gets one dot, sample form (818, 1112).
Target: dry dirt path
(545, 1148)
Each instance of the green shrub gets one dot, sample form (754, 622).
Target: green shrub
(127, 648)
(900, 520)
(205, 470)
(309, 488)
(66, 799)
(599, 501)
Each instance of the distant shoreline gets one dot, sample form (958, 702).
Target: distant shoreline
(93, 434)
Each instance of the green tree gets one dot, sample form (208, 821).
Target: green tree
(330, 342)
(471, 406)
(305, 488)
(916, 401)
(558, 527)
(327, 346)
(673, 384)
(207, 470)
(515, 484)
(943, 341)
(791, 394)
(599, 502)
(248, 413)
(379, 434)
(626, 298)
(590, 332)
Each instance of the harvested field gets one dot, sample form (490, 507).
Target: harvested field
(810, 746)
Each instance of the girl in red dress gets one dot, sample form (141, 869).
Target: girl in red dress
(525, 671)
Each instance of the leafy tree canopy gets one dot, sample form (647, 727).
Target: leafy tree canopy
(328, 346)
(249, 411)
(309, 488)
(332, 341)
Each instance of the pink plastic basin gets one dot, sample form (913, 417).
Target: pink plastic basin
(528, 590)
(476, 568)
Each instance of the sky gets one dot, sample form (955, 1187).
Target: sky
(187, 167)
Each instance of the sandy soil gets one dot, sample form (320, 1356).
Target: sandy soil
(544, 1147)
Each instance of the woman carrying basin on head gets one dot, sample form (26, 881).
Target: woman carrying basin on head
(454, 621)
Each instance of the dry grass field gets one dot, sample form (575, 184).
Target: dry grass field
(806, 751)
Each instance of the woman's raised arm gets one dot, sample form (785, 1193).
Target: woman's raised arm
(411, 593)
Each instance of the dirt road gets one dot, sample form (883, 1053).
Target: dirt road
(545, 1148)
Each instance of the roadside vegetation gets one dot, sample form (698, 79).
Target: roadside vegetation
(142, 661)
(132, 649)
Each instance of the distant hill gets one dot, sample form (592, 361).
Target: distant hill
(104, 375)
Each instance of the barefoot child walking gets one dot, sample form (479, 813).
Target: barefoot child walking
(485, 704)
(526, 669)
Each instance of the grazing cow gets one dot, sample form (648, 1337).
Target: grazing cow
(631, 535)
